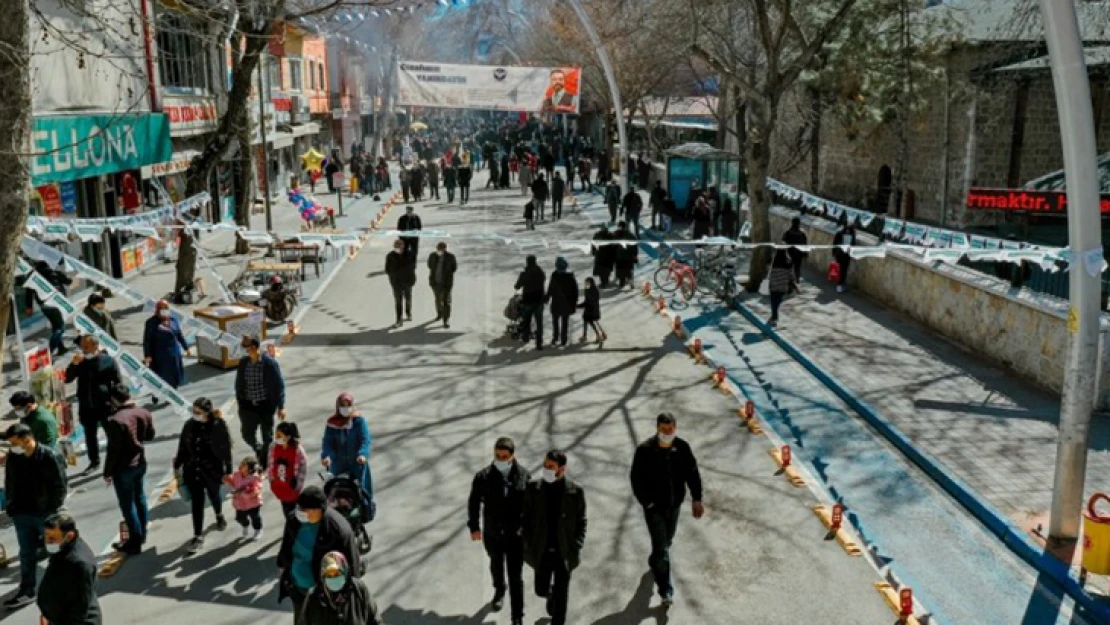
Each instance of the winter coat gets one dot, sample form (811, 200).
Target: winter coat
(605, 254)
(660, 475)
(248, 491)
(433, 174)
(358, 607)
(591, 305)
(450, 266)
(627, 255)
(703, 218)
(612, 196)
(558, 188)
(562, 293)
(780, 280)
(525, 177)
(571, 531)
(272, 380)
(465, 174)
(288, 468)
(843, 237)
(450, 177)
(95, 378)
(531, 282)
(401, 270)
(103, 319)
(345, 439)
(204, 452)
(502, 509)
(67, 595)
(35, 485)
(409, 222)
(164, 344)
(633, 204)
(539, 189)
(335, 534)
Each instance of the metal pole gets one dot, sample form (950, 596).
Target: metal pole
(262, 134)
(1077, 133)
(21, 350)
(614, 91)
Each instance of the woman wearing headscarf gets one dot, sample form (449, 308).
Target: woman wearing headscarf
(340, 598)
(203, 462)
(346, 447)
(782, 278)
(164, 344)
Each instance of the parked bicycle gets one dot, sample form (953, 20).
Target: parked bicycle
(675, 275)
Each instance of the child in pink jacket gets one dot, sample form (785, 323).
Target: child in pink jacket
(247, 497)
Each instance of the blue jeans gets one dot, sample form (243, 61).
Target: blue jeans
(28, 532)
(131, 495)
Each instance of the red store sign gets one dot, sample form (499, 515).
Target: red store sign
(283, 104)
(1044, 202)
(190, 115)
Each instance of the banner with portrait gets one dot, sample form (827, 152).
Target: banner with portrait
(490, 87)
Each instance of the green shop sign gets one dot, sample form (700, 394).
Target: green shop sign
(80, 146)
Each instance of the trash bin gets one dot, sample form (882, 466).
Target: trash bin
(1096, 538)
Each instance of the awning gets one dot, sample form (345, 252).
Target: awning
(310, 128)
(701, 152)
(1056, 182)
(280, 140)
(177, 164)
(1092, 56)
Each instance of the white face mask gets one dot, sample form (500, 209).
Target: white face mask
(549, 475)
(20, 413)
(164, 313)
(200, 416)
(503, 466)
(18, 451)
(300, 515)
(91, 353)
(667, 438)
(53, 547)
(346, 411)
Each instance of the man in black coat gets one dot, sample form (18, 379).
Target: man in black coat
(554, 532)
(663, 467)
(539, 195)
(328, 531)
(35, 486)
(410, 222)
(465, 175)
(796, 236)
(498, 493)
(658, 195)
(604, 255)
(96, 375)
(401, 270)
(558, 189)
(68, 595)
(627, 255)
(433, 179)
(632, 205)
(531, 284)
(450, 179)
(562, 294)
(441, 277)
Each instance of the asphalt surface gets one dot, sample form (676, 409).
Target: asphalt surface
(436, 400)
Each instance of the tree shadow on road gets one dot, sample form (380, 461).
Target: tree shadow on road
(638, 609)
(400, 616)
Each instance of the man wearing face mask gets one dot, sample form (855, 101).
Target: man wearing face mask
(410, 222)
(260, 391)
(400, 267)
(97, 312)
(125, 465)
(498, 491)
(96, 374)
(68, 594)
(42, 423)
(441, 275)
(312, 532)
(663, 467)
(35, 485)
(554, 532)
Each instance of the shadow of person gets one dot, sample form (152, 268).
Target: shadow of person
(639, 607)
(397, 615)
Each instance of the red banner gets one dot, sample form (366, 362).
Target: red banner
(1026, 201)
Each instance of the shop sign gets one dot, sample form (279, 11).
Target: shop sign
(190, 115)
(76, 147)
(1022, 200)
(284, 105)
(37, 358)
(179, 163)
(51, 200)
(69, 197)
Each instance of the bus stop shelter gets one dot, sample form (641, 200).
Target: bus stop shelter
(709, 167)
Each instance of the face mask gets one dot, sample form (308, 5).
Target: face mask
(91, 353)
(164, 313)
(53, 547)
(335, 584)
(345, 411)
(301, 515)
(549, 475)
(667, 438)
(503, 466)
(281, 441)
(199, 416)
(20, 413)
(439, 252)
(18, 451)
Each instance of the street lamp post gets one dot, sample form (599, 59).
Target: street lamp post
(614, 91)
(1077, 134)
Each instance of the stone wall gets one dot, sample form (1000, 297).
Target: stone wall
(1022, 331)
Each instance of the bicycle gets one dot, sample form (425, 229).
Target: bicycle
(674, 275)
(716, 273)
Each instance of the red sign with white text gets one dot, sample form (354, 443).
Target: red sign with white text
(1024, 200)
(190, 115)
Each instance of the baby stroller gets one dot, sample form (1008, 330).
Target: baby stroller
(346, 496)
(512, 314)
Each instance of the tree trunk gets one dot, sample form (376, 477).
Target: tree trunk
(817, 111)
(15, 132)
(196, 177)
(244, 183)
(759, 165)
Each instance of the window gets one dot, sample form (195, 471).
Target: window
(320, 68)
(295, 75)
(311, 75)
(273, 72)
(183, 53)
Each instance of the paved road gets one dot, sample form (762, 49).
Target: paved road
(436, 400)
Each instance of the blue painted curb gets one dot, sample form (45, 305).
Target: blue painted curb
(1012, 536)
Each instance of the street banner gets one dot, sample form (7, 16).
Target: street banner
(490, 87)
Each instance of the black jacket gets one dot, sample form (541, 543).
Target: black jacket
(605, 254)
(359, 609)
(531, 283)
(795, 237)
(271, 379)
(558, 188)
(843, 237)
(450, 177)
(465, 174)
(539, 189)
(335, 535)
(633, 204)
(562, 293)
(572, 523)
(502, 512)
(67, 595)
(212, 462)
(95, 378)
(628, 254)
(450, 266)
(657, 197)
(35, 485)
(660, 475)
(401, 269)
(409, 222)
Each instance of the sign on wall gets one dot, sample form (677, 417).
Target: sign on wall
(190, 115)
(79, 146)
(489, 87)
(1047, 202)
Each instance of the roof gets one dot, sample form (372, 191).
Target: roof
(993, 21)
(1056, 181)
(701, 152)
(1093, 57)
(705, 106)
(688, 123)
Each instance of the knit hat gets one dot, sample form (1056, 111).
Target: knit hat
(561, 264)
(312, 498)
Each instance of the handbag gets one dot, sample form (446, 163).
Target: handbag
(182, 489)
(834, 272)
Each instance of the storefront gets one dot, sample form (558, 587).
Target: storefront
(90, 167)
